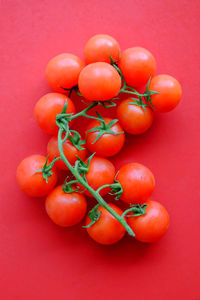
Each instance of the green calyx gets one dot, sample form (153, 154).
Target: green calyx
(136, 209)
(82, 167)
(94, 216)
(75, 139)
(103, 128)
(46, 169)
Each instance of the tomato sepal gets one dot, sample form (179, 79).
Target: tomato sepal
(94, 216)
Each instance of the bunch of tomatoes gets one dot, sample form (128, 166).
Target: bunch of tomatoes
(106, 74)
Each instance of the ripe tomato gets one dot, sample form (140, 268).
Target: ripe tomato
(69, 150)
(137, 182)
(63, 71)
(107, 230)
(99, 82)
(65, 209)
(32, 184)
(153, 225)
(108, 144)
(101, 171)
(48, 107)
(99, 47)
(133, 118)
(170, 92)
(137, 65)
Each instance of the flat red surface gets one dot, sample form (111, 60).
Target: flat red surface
(39, 260)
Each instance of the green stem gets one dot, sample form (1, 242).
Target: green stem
(85, 184)
(83, 112)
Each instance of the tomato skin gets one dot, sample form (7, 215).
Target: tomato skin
(48, 107)
(32, 184)
(99, 82)
(107, 230)
(99, 47)
(101, 171)
(63, 71)
(69, 150)
(108, 144)
(65, 209)
(170, 92)
(153, 225)
(137, 65)
(133, 118)
(137, 182)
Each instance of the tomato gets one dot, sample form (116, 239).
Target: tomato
(69, 150)
(153, 225)
(65, 209)
(137, 182)
(133, 118)
(108, 144)
(99, 82)
(137, 65)
(32, 184)
(101, 171)
(48, 107)
(169, 95)
(63, 71)
(99, 47)
(107, 230)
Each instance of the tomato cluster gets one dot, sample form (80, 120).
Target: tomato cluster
(107, 74)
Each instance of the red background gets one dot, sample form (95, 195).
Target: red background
(39, 260)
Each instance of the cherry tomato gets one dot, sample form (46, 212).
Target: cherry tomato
(62, 71)
(32, 184)
(170, 92)
(108, 144)
(107, 230)
(137, 182)
(133, 118)
(65, 209)
(137, 65)
(48, 107)
(153, 225)
(99, 82)
(101, 171)
(69, 150)
(99, 47)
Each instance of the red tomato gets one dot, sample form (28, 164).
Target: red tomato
(101, 171)
(32, 184)
(99, 82)
(99, 47)
(153, 225)
(133, 118)
(63, 71)
(65, 209)
(69, 150)
(48, 107)
(170, 92)
(137, 65)
(137, 182)
(107, 230)
(108, 144)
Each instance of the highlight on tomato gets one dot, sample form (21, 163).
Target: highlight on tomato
(100, 47)
(65, 209)
(137, 65)
(47, 108)
(99, 82)
(151, 226)
(169, 92)
(107, 230)
(62, 71)
(103, 138)
(32, 182)
(137, 181)
(134, 118)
